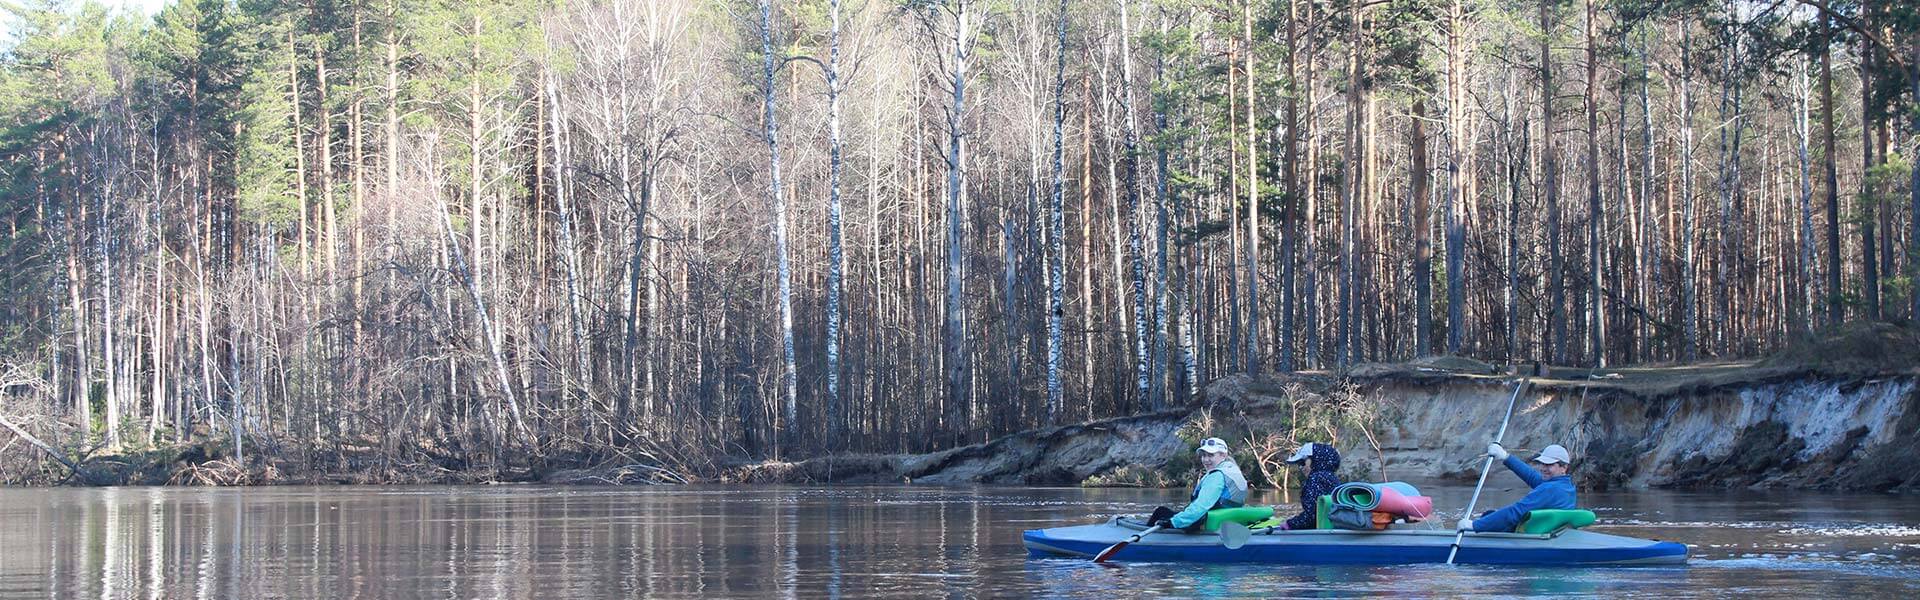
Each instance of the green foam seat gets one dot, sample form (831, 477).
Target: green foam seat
(1242, 515)
(1546, 521)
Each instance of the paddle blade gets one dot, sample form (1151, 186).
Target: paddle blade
(1109, 552)
(1234, 535)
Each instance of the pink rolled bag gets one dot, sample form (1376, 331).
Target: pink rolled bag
(1411, 507)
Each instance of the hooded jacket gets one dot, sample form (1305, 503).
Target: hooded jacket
(1321, 479)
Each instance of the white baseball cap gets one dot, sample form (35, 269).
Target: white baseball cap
(1305, 452)
(1553, 454)
(1212, 445)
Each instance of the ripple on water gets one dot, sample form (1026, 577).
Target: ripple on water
(1856, 530)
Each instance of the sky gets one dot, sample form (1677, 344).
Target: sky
(146, 6)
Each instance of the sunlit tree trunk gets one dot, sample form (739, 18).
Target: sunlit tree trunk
(789, 379)
(1689, 294)
(1056, 222)
(1136, 244)
(836, 255)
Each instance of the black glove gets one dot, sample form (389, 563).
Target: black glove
(1161, 516)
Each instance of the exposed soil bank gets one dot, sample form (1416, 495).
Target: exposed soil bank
(1839, 413)
(1721, 425)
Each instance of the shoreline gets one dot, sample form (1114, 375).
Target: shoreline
(1419, 413)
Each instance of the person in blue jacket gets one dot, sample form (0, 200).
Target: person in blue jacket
(1322, 464)
(1551, 488)
(1222, 487)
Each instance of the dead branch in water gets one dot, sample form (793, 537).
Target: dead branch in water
(211, 473)
(17, 376)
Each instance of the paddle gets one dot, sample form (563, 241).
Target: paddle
(1234, 535)
(1108, 553)
(1487, 466)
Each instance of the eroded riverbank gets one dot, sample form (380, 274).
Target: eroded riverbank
(1732, 425)
(1843, 416)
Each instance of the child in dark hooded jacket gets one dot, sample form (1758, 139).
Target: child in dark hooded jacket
(1322, 463)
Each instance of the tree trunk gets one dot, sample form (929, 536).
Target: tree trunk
(1869, 197)
(836, 255)
(1730, 183)
(1650, 249)
(1458, 148)
(1913, 237)
(564, 210)
(1310, 222)
(955, 340)
(1689, 295)
(1086, 239)
(1136, 244)
(1597, 330)
(1835, 300)
(1351, 181)
(1157, 388)
(1514, 174)
(1556, 350)
(323, 140)
(489, 333)
(789, 379)
(392, 106)
(1252, 352)
(1803, 133)
(1422, 235)
(1290, 184)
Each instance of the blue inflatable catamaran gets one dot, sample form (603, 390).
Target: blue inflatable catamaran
(1566, 546)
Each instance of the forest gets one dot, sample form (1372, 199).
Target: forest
(467, 233)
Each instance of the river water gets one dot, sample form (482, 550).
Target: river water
(857, 542)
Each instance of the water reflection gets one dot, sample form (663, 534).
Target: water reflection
(707, 542)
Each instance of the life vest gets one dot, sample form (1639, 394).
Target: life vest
(1235, 495)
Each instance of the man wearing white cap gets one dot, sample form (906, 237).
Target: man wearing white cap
(1222, 487)
(1551, 488)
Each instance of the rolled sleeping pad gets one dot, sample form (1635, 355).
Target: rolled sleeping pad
(1550, 520)
(1364, 496)
(1242, 515)
(1412, 507)
(1405, 489)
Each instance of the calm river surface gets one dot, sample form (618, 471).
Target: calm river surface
(822, 542)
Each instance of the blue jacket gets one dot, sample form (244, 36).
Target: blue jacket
(1320, 481)
(1218, 489)
(1204, 498)
(1554, 493)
